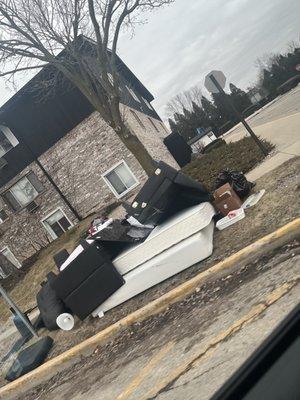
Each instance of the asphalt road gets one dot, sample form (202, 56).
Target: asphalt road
(189, 351)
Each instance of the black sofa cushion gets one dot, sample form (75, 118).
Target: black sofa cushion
(60, 257)
(79, 270)
(49, 303)
(165, 193)
(94, 290)
(153, 207)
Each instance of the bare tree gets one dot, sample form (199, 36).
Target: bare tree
(40, 33)
(184, 100)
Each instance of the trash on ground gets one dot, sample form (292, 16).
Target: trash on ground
(231, 218)
(253, 199)
(30, 358)
(237, 181)
(226, 199)
(49, 304)
(169, 224)
(65, 321)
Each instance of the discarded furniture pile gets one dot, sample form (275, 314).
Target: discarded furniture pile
(168, 227)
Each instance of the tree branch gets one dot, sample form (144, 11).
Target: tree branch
(13, 71)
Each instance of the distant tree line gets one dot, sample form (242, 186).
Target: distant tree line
(191, 110)
(278, 68)
(194, 112)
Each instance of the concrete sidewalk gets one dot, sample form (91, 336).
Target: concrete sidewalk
(284, 133)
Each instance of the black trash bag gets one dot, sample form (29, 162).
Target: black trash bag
(49, 304)
(237, 180)
(30, 358)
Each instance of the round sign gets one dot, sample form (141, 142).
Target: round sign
(219, 77)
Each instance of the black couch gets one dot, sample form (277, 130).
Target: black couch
(165, 193)
(87, 281)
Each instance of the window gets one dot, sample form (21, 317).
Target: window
(138, 119)
(110, 78)
(153, 124)
(23, 192)
(7, 140)
(3, 216)
(147, 103)
(56, 223)
(120, 179)
(133, 94)
(10, 256)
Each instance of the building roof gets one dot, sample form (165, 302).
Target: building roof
(38, 121)
(29, 86)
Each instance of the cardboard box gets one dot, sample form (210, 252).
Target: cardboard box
(226, 199)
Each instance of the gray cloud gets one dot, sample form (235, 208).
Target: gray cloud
(183, 42)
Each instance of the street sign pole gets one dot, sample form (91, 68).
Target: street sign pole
(231, 105)
(10, 302)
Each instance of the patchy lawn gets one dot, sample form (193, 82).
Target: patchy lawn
(24, 289)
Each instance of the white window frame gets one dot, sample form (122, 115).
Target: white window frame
(133, 94)
(119, 196)
(110, 78)
(148, 104)
(9, 136)
(48, 228)
(19, 265)
(3, 220)
(16, 200)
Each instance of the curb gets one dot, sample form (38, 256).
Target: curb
(43, 373)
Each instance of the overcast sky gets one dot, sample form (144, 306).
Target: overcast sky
(184, 41)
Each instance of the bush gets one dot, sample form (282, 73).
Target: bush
(242, 155)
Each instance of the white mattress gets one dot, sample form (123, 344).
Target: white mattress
(177, 258)
(166, 235)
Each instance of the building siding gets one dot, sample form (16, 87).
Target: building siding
(23, 232)
(76, 163)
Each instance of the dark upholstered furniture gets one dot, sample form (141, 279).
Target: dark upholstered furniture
(165, 193)
(87, 281)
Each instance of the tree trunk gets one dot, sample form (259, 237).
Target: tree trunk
(136, 147)
(110, 112)
(130, 140)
